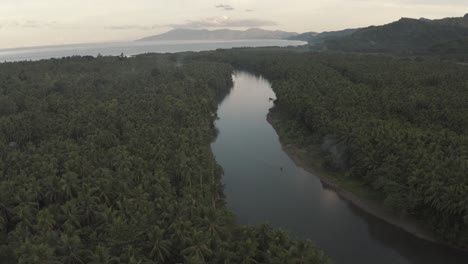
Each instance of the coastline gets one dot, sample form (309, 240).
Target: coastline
(370, 206)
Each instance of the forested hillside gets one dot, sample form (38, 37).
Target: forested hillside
(453, 21)
(108, 160)
(318, 38)
(403, 36)
(396, 124)
(456, 48)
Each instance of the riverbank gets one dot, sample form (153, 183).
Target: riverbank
(350, 190)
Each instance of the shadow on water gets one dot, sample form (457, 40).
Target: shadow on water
(414, 249)
(262, 184)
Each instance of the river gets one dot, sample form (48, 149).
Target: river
(262, 184)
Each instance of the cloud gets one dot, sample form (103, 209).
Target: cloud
(29, 24)
(225, 7)
(130, 27)
(33, 24)
(430, 2)
(224, 21)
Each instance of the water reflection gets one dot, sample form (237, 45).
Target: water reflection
(412, 248)
(264, 185)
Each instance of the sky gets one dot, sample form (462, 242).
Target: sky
(25, 23)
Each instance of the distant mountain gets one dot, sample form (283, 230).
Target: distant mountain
(307, 36)
(453, 21)
(405, 35)
(317, 38)
(425, 19)
(220, 34)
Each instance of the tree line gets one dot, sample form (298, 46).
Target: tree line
(108, 160)
(397, 124)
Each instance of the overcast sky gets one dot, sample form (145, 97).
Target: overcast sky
(51, 22)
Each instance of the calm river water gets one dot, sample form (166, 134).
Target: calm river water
(259, 191)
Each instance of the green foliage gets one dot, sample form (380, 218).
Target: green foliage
(318, 38)
(108, 160)
(453, 21)
(396, 124)
(458, 47)
(403, 36)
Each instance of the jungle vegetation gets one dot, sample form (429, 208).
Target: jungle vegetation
(397, 124)
(108, 160)
(405, 36)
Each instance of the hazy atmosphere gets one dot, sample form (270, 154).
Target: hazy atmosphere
(49, 22)
(234, 131)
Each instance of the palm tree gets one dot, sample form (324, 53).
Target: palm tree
(179, 230)
(101, 255)
(68, 185)
(212, 224)
(71, 249)
(247, 252)
(45, 220)
(3, 223)
(199, 247)
(264, 235)
(71, 212)
(87, 208)
(160, 247)
(31, 253)
(195, 260)
(25, 212)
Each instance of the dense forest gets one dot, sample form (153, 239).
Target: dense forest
(405, 36)
(398, 124)
(318, 39)
(108, 160)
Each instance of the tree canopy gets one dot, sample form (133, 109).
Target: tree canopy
(108, 160)
(398, 124)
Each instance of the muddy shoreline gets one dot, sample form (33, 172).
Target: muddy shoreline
(375, 208)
